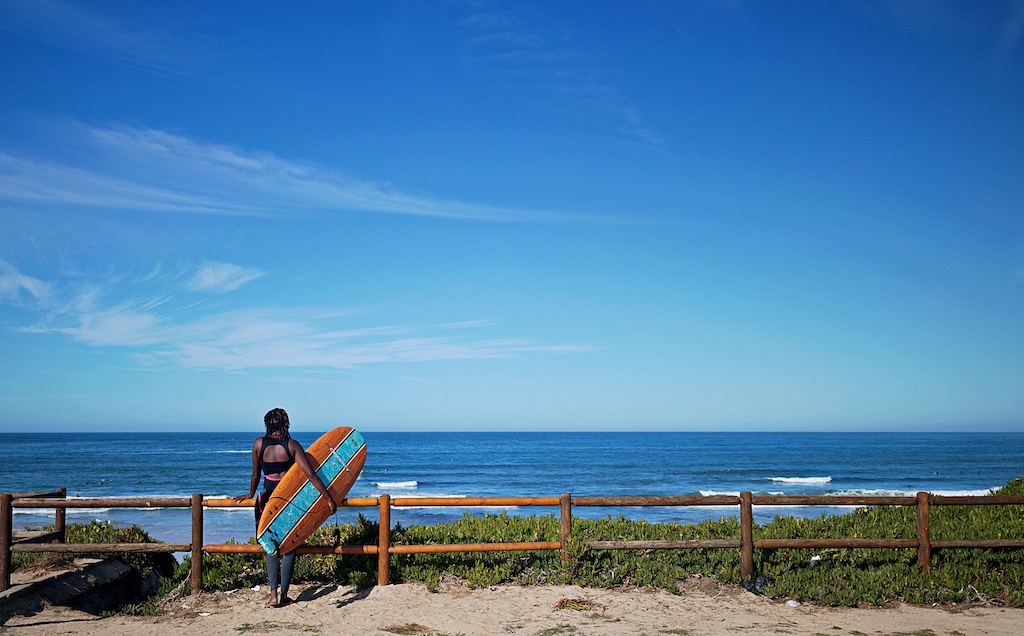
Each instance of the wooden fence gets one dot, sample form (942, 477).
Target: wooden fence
(384, 549)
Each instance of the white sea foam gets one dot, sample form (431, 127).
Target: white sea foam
(397, 485)
(234, 451)
(800, 480)
(732, 511)
(732, 493)
(882, 492)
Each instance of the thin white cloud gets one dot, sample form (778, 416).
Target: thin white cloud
(526, 44)
(16, 287)
(222, 277)
(119, 327)
(24, 180)
(144, 169)
(74, 27)
(156, 330)
(467, 324)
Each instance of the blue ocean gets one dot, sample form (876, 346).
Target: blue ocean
(511, 464)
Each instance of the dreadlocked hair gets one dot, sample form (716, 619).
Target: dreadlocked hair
(276, 421)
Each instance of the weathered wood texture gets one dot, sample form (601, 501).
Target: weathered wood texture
(245, 548)
(197, 544)
(565, 524)
(471, 502)
(696, 544)
(696, 500)
(978, 543)
(60, 516)
(438, 548)
(101, 548)
(924, 548)
(110, 502)
(746, 535)
(223, 502)
(831, 500)
(36, 494)
(384, 541)
(976, 500)
(835, 543)
(5, 540)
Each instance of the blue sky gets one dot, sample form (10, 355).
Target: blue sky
(488, 215)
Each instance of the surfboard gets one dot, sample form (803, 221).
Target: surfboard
(297, 509)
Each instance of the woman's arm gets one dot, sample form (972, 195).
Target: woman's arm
(254, 480)
(300, 459)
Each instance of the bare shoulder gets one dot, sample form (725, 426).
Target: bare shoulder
(294, 446)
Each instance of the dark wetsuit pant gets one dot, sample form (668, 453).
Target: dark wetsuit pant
(279, 569)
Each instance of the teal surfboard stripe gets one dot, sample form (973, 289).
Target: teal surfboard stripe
(308, 494)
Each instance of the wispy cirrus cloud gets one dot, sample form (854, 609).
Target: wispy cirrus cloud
(522, 42)
(157, 328)
(81, 29)
(222, 277)
(16, 287)
(144, 169)
(467, 324)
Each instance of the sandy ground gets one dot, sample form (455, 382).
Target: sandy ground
(703, 607)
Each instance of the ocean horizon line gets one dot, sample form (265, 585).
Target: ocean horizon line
(247, 431)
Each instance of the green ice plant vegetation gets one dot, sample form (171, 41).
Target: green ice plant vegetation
(836, 577)
(101, 532)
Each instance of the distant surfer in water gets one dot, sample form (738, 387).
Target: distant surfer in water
(273, 454)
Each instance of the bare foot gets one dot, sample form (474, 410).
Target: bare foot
(285, 601)
(272, 601)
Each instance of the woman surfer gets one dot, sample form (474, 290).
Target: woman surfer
(273, 454)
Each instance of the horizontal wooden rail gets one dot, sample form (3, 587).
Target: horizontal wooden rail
(246, 548)
(234, 548)
(835, 543)
(222, 502)
(37, 494)
(470, 502)
(976, 500)
(694, 500)
(697, 544)
(112, 502)
(101, 548)
(978, 543)
(437, 548)
(831, 500)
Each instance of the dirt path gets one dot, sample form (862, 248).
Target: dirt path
(534, 611)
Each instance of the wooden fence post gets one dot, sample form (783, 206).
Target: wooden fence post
(384, 541)
(61, 517)
(565, 519)
(5, 540)
(924, 546)
(746, 536)
(197, 544)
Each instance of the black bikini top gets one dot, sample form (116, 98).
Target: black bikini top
(273, 468)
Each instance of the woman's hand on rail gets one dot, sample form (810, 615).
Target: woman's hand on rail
(241, 498)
